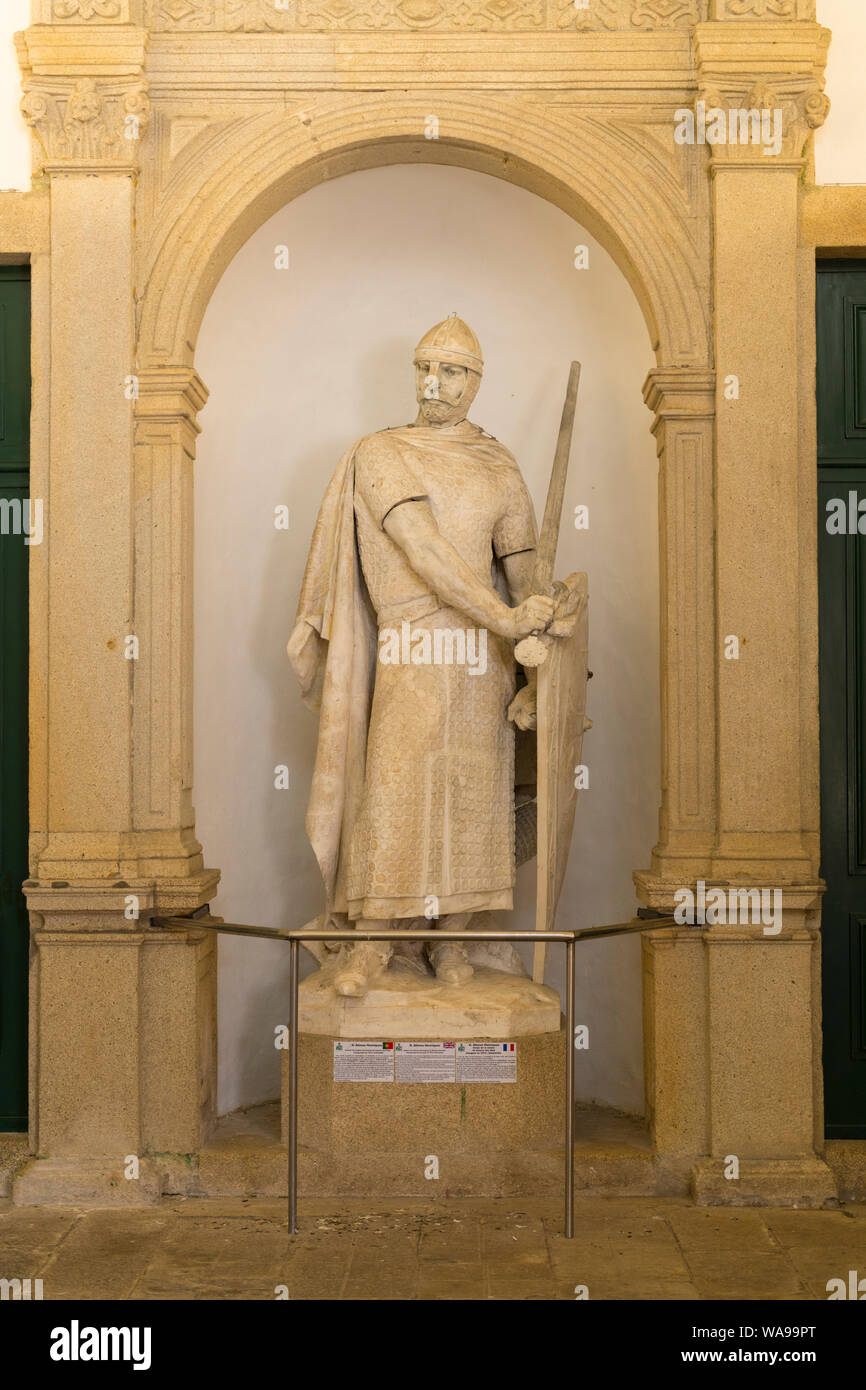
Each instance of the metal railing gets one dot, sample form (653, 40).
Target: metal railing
(296, 937)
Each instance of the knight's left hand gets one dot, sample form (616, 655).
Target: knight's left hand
(566, 603)
(522, 710)
(562, 627)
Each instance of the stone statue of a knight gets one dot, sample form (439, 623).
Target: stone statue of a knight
(417, 586)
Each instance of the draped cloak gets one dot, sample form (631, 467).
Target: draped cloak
(362, 794)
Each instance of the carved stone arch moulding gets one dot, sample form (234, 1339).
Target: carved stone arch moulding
(248, 169)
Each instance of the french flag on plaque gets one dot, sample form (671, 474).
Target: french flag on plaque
(508, 1047)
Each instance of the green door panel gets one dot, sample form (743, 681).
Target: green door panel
(841, 323)
(14, 556)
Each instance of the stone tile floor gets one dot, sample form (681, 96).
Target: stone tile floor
(624, 1248)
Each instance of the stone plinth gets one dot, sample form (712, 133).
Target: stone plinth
(356, 1136)
(403, 1005)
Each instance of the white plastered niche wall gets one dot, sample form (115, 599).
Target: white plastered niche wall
(300, 362)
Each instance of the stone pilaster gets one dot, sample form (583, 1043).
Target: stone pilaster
(758, 565)
(165, 432)
(758, 560)
(113, 1007)
(750, 1097)
(682, 400)
(77, 99)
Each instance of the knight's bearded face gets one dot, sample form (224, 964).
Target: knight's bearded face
(444, 391)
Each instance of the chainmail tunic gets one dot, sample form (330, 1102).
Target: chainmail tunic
(435, 830)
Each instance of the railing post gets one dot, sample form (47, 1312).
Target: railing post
(569, 1089)
(293, 1088)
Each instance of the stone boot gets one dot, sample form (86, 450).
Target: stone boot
(365, 960)
(451, 963)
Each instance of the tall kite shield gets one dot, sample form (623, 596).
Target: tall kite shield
(562, 678)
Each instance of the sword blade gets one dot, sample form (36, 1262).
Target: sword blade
(545, 555)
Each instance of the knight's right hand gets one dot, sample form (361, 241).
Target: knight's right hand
(533, 615)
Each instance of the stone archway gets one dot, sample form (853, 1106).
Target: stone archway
(231, 178)
(239, 122)
(193, 250)
(622, 189)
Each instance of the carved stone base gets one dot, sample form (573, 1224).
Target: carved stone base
(764, 1182)
(343, 1123)
(402, 1005)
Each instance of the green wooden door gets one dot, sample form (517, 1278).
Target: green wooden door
(842, 623)
(15, 514)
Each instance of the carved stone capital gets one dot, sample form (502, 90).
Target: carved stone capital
(85, 94)
(760, 92)
(84, 122)
(761, 126)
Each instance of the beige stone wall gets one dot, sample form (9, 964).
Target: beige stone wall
(159, 150)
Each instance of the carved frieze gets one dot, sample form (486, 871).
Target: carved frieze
(756, 9)
(762, 9)
(777, 9)
(87, 121)
(253, 16)
(666, 14)
(89, 11)
(263, 16)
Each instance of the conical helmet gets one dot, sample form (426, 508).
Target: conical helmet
(452, 340)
